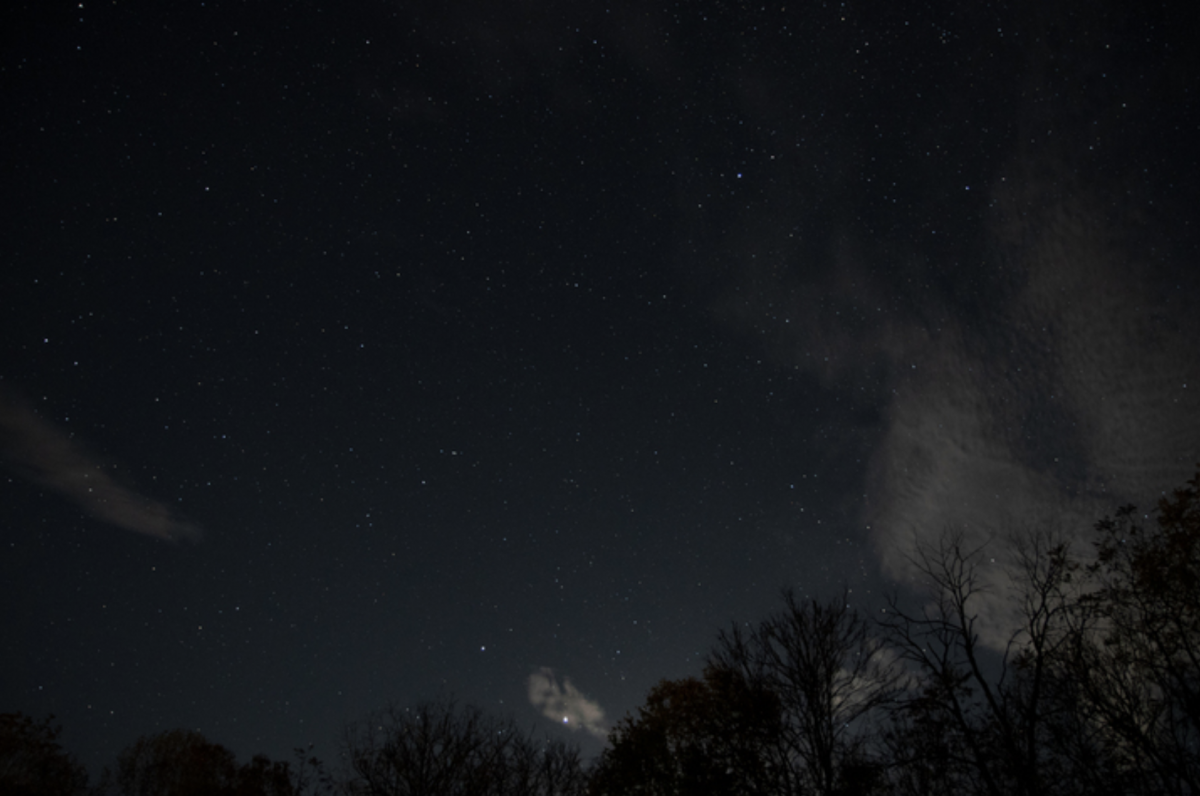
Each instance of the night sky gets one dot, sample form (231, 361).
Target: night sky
(362, 352)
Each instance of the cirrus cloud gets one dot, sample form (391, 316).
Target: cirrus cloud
(44, 454)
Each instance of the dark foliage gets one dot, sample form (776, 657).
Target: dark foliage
(33, 763)
(184, 763)
(694, 736)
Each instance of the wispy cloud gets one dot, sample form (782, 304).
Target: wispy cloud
(563, 702)
(1040, 371)
(1067, 393)
(44, 454)
(1072, 401)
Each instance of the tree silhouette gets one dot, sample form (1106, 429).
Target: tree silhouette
(1098, 688)
(1134, 667)
(184, 763)
(708, 735)
(441, 749)
(981, 719)
(834, 681)
(32, 763)
(791, 705)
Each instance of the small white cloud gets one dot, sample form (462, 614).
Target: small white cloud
(563, 702)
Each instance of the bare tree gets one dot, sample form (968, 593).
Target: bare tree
(832, 679)
(442, 749)
(983, 716)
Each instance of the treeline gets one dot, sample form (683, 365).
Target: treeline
(1075, 673)
(438, 747)
(1085, 680)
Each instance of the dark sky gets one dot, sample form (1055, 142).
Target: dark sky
(355, 352)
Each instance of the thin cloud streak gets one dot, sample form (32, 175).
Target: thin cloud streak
(43, 454)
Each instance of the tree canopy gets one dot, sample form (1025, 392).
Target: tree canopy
(33, 763)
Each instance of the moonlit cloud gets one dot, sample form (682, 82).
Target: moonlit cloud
(562, 702)
(40, 452)
(1067, 386)
(1078, 402)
